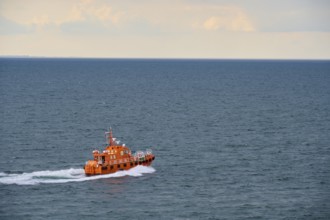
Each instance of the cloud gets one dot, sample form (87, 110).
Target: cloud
(9, 27)
(84, 28)
(74, 15)
(229, 19)
(296, 20)
(89, 10)
(184, 28)
(236, 24)
(40, 21)
(90, 18)
(289, 16)
(173, 17)
(103, 13)
(65, 15)
(153, 17)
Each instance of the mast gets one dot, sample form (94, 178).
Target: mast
(110, 137)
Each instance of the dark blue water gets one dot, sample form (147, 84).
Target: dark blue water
(232, 139)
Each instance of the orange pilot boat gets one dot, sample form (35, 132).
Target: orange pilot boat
(116, 157)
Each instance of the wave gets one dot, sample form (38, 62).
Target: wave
(65, 176)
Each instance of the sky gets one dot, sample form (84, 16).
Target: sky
(219, 29)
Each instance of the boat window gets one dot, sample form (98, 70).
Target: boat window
(124, 164)
(136, 163)
(111, 167)
(118, 166)
(131, 164)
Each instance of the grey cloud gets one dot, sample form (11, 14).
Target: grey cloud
(85, 27)
(8, 27)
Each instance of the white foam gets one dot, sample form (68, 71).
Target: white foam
(65, 176)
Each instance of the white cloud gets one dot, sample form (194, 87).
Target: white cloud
(40, 21)
(43, 16)
(165, 16)
(103, 13)
(88, 10)
(229, 19)
(184, 28)
(74, 15)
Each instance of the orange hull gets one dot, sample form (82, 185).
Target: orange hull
(107, 169)
(115, 158)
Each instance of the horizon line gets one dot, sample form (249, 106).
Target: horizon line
(160, 58)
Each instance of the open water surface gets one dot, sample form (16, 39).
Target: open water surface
(233, 139)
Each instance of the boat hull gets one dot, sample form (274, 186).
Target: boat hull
(92, 168)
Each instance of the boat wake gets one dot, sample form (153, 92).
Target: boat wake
(65, 176)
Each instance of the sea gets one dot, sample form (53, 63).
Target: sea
(233, 139)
